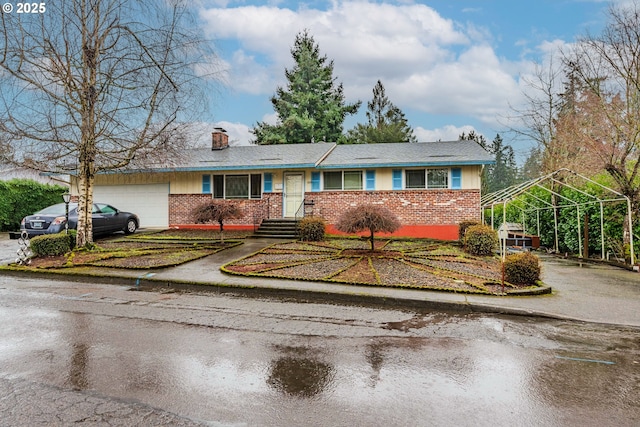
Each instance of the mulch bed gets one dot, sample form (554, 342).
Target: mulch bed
(418, 264)
(137, 253)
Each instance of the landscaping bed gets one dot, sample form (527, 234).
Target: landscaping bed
(416, 264)
(165, 248)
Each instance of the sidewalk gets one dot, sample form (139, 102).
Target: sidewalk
(581, 291)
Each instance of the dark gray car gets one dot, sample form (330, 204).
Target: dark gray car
(106, 220)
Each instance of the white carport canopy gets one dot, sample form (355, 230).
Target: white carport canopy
(552, 184)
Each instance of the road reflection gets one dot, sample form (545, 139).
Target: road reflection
(299, 374)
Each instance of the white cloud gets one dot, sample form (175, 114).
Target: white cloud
(446, 133)
(238, 132)
(427, 63)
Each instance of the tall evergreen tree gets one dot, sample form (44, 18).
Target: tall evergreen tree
(385, 122)
(312, 107)
(504, 172)
(532, 167)
(473, 136)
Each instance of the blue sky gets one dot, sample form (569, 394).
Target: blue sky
(450, 66)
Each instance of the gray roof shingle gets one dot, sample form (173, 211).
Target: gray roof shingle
(327, 156)
(439, 153)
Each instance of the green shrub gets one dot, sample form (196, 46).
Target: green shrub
(480, 240)
(462, 228)
(51, 244)
(311, 229)
(522, 268)
(22, 197)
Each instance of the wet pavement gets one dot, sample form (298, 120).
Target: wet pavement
(260, 352)
(96, 354)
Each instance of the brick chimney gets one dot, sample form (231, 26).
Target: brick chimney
(219, 139)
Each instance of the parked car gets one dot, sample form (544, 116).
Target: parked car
(106, 220)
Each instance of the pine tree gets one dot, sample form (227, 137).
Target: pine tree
(312, 107)
(385, 122)
(504, 172)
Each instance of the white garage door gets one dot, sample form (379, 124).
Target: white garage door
(149, 201)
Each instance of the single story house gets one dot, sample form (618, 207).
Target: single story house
(431, 187)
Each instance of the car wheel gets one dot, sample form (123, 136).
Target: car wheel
(131, 227)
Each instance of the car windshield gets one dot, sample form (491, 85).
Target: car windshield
(56, 209)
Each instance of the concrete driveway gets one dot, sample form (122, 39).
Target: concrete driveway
(8, 249)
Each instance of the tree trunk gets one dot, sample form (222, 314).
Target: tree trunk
(371, 239)
(87, 149)
(85, 204)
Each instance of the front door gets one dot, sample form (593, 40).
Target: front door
(293, 193)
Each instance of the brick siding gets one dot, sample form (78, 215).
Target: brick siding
(427, 207)
(181, 207)
(427, 211)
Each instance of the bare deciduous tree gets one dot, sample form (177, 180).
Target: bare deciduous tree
(374, 218)
(91, 85)
(608, 67)
(535, 120)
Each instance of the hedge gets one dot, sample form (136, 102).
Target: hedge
(52, 244)
(522, 268)
(22, 197)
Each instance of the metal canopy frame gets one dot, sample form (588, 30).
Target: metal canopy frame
(514, 193)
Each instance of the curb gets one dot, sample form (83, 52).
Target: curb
(137, 283)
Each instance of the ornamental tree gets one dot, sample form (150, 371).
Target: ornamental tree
(374, 218)
(217, 211)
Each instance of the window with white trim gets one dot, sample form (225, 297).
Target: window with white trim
(342, 180)
(240, 186)
(434, 178)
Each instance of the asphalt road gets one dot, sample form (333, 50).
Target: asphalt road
(92, 354)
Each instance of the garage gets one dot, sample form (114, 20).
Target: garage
(149, 201)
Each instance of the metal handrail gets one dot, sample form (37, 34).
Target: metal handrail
(301, 212)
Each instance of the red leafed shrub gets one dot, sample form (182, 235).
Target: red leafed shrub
(217, 211)
(374, 218)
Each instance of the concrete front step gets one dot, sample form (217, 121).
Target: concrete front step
(281, 228)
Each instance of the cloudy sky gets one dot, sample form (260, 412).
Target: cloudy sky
(449, 65)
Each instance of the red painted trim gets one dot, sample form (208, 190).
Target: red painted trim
(242, 227)
(440, 232)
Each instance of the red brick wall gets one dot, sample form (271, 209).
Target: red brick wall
(426, 213)
(181, 208)
(426, 207)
